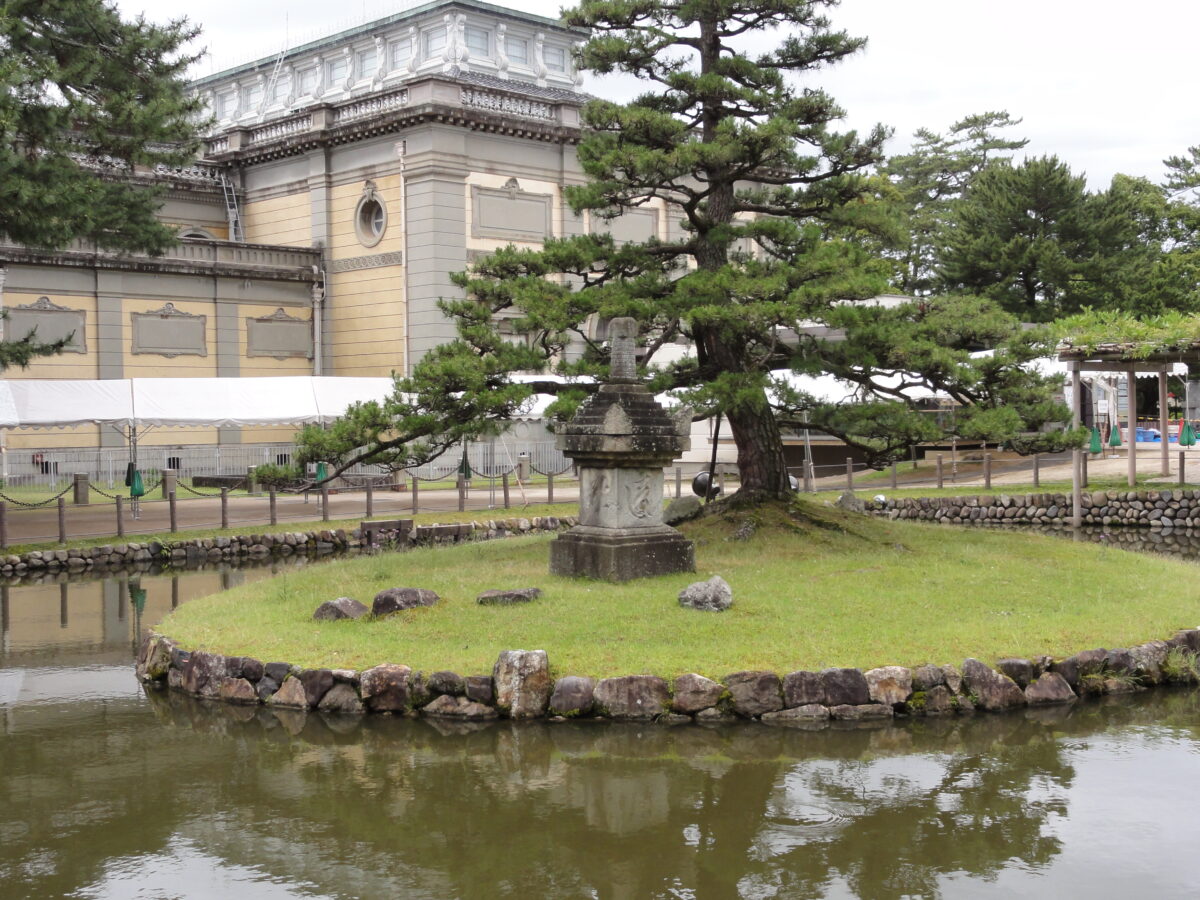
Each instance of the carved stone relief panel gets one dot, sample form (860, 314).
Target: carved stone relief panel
(169, 332)
(279, 335)
(511, 214)
(51, 321)
(636, 225)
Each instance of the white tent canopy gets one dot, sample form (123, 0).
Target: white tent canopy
(144, 402)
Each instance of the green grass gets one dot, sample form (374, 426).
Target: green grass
(834, 589)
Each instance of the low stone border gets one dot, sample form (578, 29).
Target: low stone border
(520, 687)
(259, 546)
(1164, 509)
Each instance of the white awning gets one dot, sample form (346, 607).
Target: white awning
(296, 400)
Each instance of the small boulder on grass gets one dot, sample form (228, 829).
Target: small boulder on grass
(341, 608)
(502, 598)
(714, 595)
(682, 509)
(391, 600)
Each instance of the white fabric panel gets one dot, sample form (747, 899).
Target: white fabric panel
(283, 400)
(59, 404)
(334, 395)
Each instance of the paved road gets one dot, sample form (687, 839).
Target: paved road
(26, 526)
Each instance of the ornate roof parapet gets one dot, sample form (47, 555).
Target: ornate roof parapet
(443, 37)
(460, 98)
(268, 262)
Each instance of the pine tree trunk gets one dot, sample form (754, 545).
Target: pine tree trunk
(761, 463)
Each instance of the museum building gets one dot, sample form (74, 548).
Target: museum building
(343, 182)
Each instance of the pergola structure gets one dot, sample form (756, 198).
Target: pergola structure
(1130, 360)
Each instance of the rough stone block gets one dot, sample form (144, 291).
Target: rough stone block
(522, 683)
(572, 696)
(632, 697)
(581, 552)
(891, 685)
(341, 608)
(385, 688)
(845, 687)
(754, 693)
(1050, 687)
(714, 595)
(503, 598)
(479, 688)
(803, 689)
(994, 690)
(809, 715)
(343, 699)
(694, 693)
(391, 600)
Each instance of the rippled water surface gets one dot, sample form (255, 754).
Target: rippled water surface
(110, 792)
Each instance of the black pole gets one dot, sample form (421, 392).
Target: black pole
(712, 463)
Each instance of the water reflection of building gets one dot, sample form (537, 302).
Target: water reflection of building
(57, 618)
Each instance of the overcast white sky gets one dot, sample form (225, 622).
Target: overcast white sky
(1108, 87)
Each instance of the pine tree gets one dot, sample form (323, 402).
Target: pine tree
(84, 99)
(932, 176)
(773, 206)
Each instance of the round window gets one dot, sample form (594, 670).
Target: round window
(370, 220)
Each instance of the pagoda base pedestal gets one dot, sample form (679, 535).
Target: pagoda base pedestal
(617, 555)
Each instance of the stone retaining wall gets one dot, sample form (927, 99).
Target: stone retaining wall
(520, 687)
(1164, 509)
(259, 546)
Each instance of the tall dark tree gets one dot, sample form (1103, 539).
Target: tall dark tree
(1022, 236)
(86, 97)
(932, 176)
(1034, 239)
(772, 204)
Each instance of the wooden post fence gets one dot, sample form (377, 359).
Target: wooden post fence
(62, 520)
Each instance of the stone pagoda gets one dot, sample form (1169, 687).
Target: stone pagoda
(621, 439)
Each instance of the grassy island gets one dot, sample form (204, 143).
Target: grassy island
(813, 586)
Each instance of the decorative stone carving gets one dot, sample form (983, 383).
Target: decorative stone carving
(51, 321)
(621, 439)
(280, 336)
(169, 332)
(509, 213)
(374, 261)
(518, 107)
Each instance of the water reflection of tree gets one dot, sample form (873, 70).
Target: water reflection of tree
(627, 812)
(400, 808)
(990, 803)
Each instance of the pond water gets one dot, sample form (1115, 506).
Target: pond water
(107, 791)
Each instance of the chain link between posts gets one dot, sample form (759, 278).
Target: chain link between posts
(36, 503)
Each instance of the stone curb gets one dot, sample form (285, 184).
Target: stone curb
(260, 546)
(520, 687)
(1158, 509)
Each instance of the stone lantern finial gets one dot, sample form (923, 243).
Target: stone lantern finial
(623, 355)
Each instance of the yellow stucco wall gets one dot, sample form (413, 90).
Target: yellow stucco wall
(279, 220)
(366, 335)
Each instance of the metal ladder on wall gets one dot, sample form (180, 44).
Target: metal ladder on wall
(232, 213)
